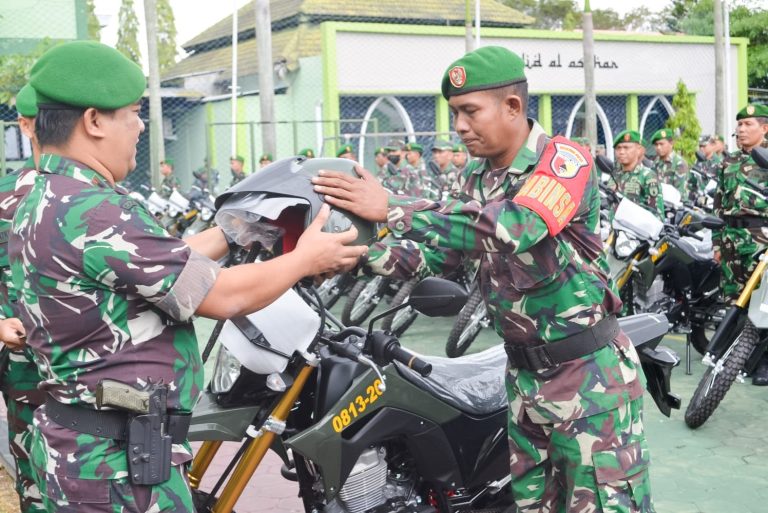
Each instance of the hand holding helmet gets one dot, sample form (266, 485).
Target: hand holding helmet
(328, 252)
(364, 196)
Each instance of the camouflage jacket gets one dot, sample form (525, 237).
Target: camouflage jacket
(167, 186)
(20, 379)
(641, 186)
(236, 178)
(398, 181)
(539, 287)
(422, 181)
(81, 248)
(673, 171)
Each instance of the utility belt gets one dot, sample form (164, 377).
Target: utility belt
(551, 354)
(746, 221)
(148, 436)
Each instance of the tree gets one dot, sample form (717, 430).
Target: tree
(607, 19)
(166, 35)
(684, 122)
(128, 33)
(16, 70)
(94, 27)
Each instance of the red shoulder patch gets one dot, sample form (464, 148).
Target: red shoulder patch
(555, 188)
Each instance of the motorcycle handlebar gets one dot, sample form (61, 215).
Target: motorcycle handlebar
(399, 354)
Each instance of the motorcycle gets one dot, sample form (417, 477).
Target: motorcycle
(470, 321)
(200, 215)
(741, 338)
(331, 290)
(365, 426)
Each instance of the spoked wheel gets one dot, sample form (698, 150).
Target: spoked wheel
(331, 290)
(362, 300)
(469, 322)
(401, 320)
(717, 380)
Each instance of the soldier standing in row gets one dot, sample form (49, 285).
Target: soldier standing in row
(529, 209)
(265, 160)
(236, 164)
(170, 183)
(441, 170)
(19, 376)
(635, 181)
(670, 167)
(744, 211)
(307, 153)
(81, 245)
(460, 157)
(346, 152)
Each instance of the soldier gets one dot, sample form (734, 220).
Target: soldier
(265, 160)
(307, 153)
(236, 164)
(382, 162)
(423, 182)
(460, 157)
(744, 210)
(19, 376)
(635, 181)
(346, 152)
(170, 182)
(81, 245)
(441, 168)
(529, 210)
(670, 167)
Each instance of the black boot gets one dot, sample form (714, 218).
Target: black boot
(760, 376)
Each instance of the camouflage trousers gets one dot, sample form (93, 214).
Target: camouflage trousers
(738, 249)
(116, 495)
(595, 464)
(20, 416)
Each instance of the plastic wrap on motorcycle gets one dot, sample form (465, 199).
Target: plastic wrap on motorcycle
(473, 384)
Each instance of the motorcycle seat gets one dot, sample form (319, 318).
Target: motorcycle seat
(473, 384)
(696, 251)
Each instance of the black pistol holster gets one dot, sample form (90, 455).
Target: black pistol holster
(149, 444)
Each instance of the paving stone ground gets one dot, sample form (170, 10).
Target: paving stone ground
(721, 467)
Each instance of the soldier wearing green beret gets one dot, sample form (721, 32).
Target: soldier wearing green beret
(308, 153)
(346, 152)
(744, 210)
(19, 376)
(460, 157)
(170, 183)
(423, 182)
(236, 167)
(440, 167)
(396, 177)
(670, 167)
(634, 180)
(80, 245)
(528, 208)
(265, 160)
(381, 161)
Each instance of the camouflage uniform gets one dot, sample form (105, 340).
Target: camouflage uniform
(398, 181)
(19, 379)
(102, 257)
(674, 171)
(575, 430)
(421, 181)
(167, 186)
(236, 178)
(736, 201)
(641, 186)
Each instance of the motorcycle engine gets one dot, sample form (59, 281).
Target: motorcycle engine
(370, 487)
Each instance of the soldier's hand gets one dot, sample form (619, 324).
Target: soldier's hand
(12, 333)
(363, 196)
(717, 256)
(328, 253)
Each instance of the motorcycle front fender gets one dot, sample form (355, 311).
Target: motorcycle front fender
(212, 422)
(657, 366)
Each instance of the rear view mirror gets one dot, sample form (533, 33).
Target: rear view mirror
(760, 155)
(604, 164)
(436, 297)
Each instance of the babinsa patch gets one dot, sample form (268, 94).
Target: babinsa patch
(567, 161)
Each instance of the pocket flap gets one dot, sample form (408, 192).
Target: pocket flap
(72, 490)
(621, 463)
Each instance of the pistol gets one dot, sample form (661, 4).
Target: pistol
(122, 396)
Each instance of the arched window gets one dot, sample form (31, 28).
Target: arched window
(390, 118)
(655, 115)
(577, 127)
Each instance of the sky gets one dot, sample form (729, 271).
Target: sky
(194, 16)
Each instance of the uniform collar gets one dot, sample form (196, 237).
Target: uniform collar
(58, 165)
(529, 153)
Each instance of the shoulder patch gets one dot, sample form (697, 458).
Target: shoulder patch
(556, 187)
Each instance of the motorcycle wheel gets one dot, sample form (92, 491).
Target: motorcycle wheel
(401, 320)
(717, 380)
(330, 291)
(699, 338)
(362, 300)
(468, 324)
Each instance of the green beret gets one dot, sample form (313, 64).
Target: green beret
(26, 102)
(307, 152)
(459, 147)
(266, 156)
(627, 136)
(664, 133)
(753, 110)
(344, 149)
(382, 149)
(167, 161)
(414, 147)
(239, 158)
(87, 74)
(718, 137)
(489, 67)
(442, 146)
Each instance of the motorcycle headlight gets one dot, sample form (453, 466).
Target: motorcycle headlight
(226, 370)
(624, 246)
(206, 214)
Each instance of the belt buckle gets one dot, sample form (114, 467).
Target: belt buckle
(539, 358)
